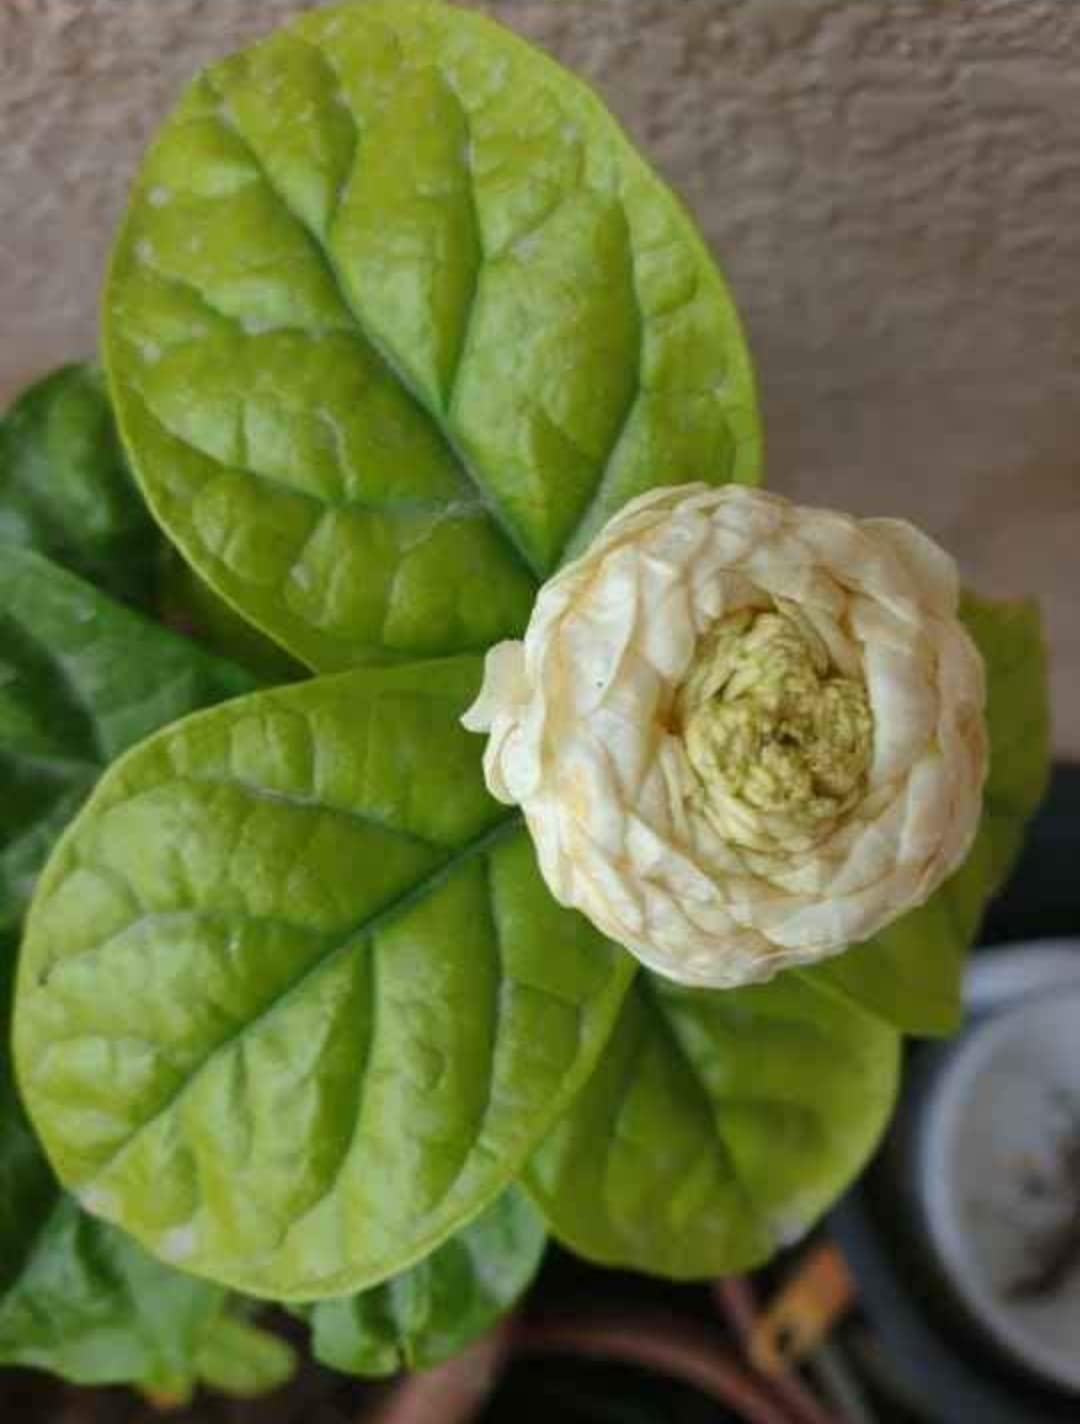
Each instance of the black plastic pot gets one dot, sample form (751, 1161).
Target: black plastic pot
(945, 1355)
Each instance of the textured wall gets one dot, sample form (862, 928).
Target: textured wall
(893, 188)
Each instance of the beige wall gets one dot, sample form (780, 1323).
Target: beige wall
(893, 189)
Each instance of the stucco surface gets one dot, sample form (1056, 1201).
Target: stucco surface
(892, 188)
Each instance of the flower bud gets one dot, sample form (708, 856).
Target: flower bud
(745, 734)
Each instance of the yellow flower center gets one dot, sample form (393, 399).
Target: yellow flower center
(779, 741)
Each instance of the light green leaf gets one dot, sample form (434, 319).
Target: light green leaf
(718, 1126)
(66, 492)
(189, 606)
(397, 317)
(77, 1297)
(81, 679)
(294, 1002)
(434, 1309)
(911, 973)
(240, 1359)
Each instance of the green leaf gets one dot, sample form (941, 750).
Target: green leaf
(240, 1359)
(1010, 638)
(434, 1309)
(81, 679)
(294, 1002)
(717, 1126)
(77, 1297)
(188, 605)
(66, 492)
(88, 1304)
(396, 319)
(911, 973)
(26, 1185)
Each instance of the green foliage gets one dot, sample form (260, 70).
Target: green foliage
(81, 679)
(187, 604)
(718, 1126)
(303, 907)
(90, 1305)
(1010, 638)
(65, 490)
(397, 317)
(238, 1358)
(77, 1296)
(428, 1312)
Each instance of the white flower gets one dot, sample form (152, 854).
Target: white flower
(744, 734)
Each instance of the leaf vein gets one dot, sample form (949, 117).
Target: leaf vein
(367, 927)
(324, 255)
(607, 469)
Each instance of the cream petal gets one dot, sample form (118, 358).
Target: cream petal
(615, 900)
(502, 728)
(904, 705)
(504, 686)
(933, 574)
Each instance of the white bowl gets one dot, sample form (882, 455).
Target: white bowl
(1004, 1102)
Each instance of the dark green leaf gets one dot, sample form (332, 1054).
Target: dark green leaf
(27, 1192)
(294, 1002)
(397, 317)
(434, 1309)
(88, 1304)
(718, 1126)
(81, 679)
(1010, 638)
(65, 490)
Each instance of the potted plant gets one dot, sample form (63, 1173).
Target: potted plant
(549, 835)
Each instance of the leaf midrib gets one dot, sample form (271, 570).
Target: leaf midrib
(366, 928)
(326, 258)
(654, 1008)
(324, 254)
